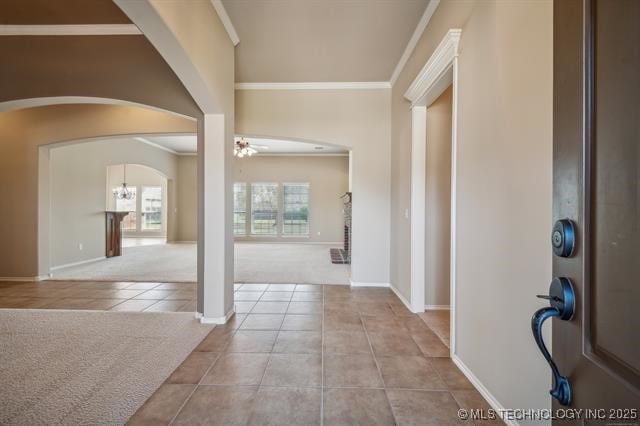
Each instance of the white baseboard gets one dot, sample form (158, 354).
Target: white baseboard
(82, 262)
(361, 284)
(437, 307)
(182, 242)
(493, 402)
(26, 279)
(402, 299)
(218, 320)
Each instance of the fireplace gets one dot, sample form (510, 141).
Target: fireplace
(343, 255)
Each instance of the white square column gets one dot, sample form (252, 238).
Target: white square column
(215, 215)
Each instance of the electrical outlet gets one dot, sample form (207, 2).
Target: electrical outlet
(80, 246)
(318, 233)
(406, 213)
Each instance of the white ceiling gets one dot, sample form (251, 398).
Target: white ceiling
(321, 40)
(187, 144)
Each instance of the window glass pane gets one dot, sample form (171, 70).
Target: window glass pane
(151, 208)
(264, 208)
(295, 217)
(239, 208)
(129, 221)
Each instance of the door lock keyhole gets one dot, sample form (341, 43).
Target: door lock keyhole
(563, 238)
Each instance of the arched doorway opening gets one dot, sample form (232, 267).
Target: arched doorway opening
(142, 192)
(291, 211)
(39, 131)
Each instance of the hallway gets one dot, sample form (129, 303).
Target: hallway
(305, 355)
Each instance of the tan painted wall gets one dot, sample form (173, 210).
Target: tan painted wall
(328, 178)
(504, 187)
(21, 133)
(356, 119)
(120, 67)
(78, 185)
(187, 205)
(438, 200)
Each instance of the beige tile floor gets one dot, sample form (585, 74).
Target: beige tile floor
(440, 322)
(99, 295)
(315, 355)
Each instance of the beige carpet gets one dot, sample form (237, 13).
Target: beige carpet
(254, 263)
(288, 263)
(79, 368)
(156, 263)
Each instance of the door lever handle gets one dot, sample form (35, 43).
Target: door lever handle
(562, 300)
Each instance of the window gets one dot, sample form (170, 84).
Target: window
(130, 220)
(295, 215)
(271, 209)
(239, 208)
(264, 208)
(151, 208)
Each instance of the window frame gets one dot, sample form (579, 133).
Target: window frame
(280, 211)
(246, 211)
(142, 213)
(276, 225)
(283, 210)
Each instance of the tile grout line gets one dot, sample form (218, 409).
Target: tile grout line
(438, 374)
(221, 354)
(215, 385)
(77, 290)
(264, 373)
(184, 403)
(375, 359)
(197, 385)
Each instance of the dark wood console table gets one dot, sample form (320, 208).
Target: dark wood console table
(114, 235)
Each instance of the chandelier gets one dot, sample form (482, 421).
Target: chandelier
(242, 148)
(123, 192)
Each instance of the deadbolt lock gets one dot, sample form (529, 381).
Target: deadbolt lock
(563, 238)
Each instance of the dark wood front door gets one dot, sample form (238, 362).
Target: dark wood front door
(596, 154)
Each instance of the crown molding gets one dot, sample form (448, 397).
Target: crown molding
(320, 85)
(438, 63)
(417, 33)
(226, 21)
(70, 30)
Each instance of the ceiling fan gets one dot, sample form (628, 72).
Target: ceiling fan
(243, 148)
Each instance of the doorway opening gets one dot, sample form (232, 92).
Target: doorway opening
(433, 97)
(141, 192)
(133, 207)
(438, 215)
(289, 211)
